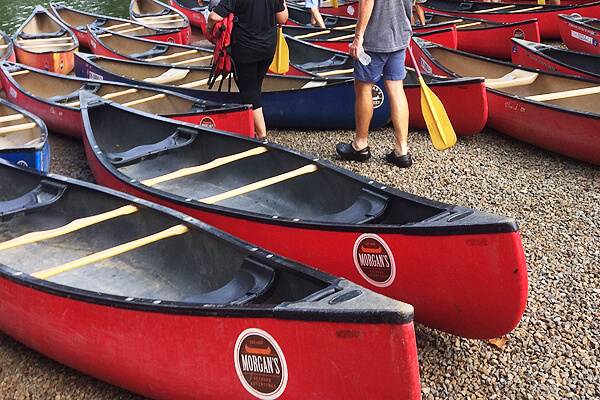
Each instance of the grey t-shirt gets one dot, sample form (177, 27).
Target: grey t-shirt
(389, 27)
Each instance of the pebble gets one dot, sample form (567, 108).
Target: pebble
(554, 353)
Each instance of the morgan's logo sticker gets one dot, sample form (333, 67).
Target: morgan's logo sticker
(207, 122)
(260, 364)
(518, 34)
(378, 97)
(374, 260)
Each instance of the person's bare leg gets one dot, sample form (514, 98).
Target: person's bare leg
(420, 14)
(316, 17)
(260, 126)
(399, 109)
(363, 110)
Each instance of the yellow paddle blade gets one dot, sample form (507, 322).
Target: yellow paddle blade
(541, 1)
(334, 3)
(281, 60)
(439, 126)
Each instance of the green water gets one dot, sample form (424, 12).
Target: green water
(14, 12)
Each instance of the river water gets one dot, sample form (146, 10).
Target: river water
(14, 12)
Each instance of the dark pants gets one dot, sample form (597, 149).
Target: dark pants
(249, 80)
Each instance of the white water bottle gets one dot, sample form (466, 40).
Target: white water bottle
(363, 57)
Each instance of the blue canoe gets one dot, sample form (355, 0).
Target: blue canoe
(23, 137)
(288, 101)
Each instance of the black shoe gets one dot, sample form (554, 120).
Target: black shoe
(404, 161)
(347, 152)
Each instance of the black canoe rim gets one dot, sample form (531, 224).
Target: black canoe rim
(390, 311)
(490, 223)
(424, 46)
(9, 42)
(8, 67)
(479, 6)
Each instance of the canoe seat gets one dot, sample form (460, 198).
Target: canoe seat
(91, 87)
(45, 194)
(158, 49)
(250, 283)
(182, 137)
(164, 11)
(98, 22)
(368, 207)
(59, 33)
(170, 75)
(337, 60)
(516, 77)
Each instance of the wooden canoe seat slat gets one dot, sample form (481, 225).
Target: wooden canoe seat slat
(204, 167)
(192, 60)
(107, 96)
(38, 46)
(565, 94)
(312, 34)
(344, 37)
(171, 75)
(43, 195)
(108, 28)
(307, 169)
(44, 40)
(144, 100)
(113, 251)
(336, 72)
(12, 117)
(494, 9)
(137, 28)
(182, 136)
(468, 25)
(72, 226)
(4, 46)
(202, 82)
(16, 128)
(517, 77)
(151, 17)
(174, 55)
(352, 26)
(21, 72)
(526, 9)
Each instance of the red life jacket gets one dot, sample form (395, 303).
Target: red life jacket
(221, 37)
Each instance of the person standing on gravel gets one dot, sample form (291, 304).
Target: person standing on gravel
(383, 31)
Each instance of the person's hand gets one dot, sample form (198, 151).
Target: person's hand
(356, 47)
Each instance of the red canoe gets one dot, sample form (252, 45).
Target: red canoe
(166, 306)
(77, 21)
(7, 50)
(195, 13)
(547, 15)
(483, 37)
(550, 58)
(44, 42)
(55, 99)
(344, 8)
(123, 47)
(580, 33)
(340, 39)
(552, 111)
(463, 270)
(161, 16)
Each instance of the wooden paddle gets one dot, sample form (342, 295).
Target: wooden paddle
(439, 126)
(281, 60)
(334, 3)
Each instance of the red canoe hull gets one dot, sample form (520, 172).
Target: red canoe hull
(571, 133)
(196, 18)
(495, 42)
(59, 62)
(579, 37)
(421, 276)
(173, 356)
(67, 120)
(547, 19)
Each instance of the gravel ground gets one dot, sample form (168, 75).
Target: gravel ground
(552, 354)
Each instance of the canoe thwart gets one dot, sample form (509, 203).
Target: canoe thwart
(45, 194)
(516, 77)
(565, 94)
(368, 208)
(253, 280)
(182, 137)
